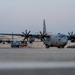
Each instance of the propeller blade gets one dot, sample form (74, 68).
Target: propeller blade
(26, 31)
(72, 33)
(41, 33)
(69, 33)
(29, 32)
(23, 33)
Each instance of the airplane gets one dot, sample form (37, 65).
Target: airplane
(13, 42)
(16, 43)
(50, 40)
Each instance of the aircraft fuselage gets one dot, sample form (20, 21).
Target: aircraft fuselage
(58, 40)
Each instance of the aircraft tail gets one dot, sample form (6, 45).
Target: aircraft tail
(44, 27)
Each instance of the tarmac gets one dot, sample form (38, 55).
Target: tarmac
(37, 61)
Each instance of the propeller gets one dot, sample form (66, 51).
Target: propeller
(71, 33)
(71, 36)
(43, 33)
(26, 33)
(42, 36)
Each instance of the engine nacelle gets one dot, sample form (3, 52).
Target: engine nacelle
(73, 40)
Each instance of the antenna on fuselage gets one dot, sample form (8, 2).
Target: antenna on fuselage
(12, 37)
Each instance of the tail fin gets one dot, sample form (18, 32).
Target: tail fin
(44, 27)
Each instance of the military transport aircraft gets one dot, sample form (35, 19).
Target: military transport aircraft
(13, 42)
(59, 40)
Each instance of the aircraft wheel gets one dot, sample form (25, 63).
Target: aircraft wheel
(11, 46)
(17, 46)
(47, 46)
(62, 47)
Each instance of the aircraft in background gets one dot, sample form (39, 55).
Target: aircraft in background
(13, 42)
(58, 40)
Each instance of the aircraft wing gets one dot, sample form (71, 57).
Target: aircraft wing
(26, 35)
(29, 37)
(11, 34)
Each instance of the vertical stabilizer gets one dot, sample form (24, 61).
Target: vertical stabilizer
(44, 27)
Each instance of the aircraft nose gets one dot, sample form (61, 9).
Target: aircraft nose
(64, 40)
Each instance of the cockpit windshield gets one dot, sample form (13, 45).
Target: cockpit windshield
(62, 35)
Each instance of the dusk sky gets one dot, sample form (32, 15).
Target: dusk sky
(19, 15)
